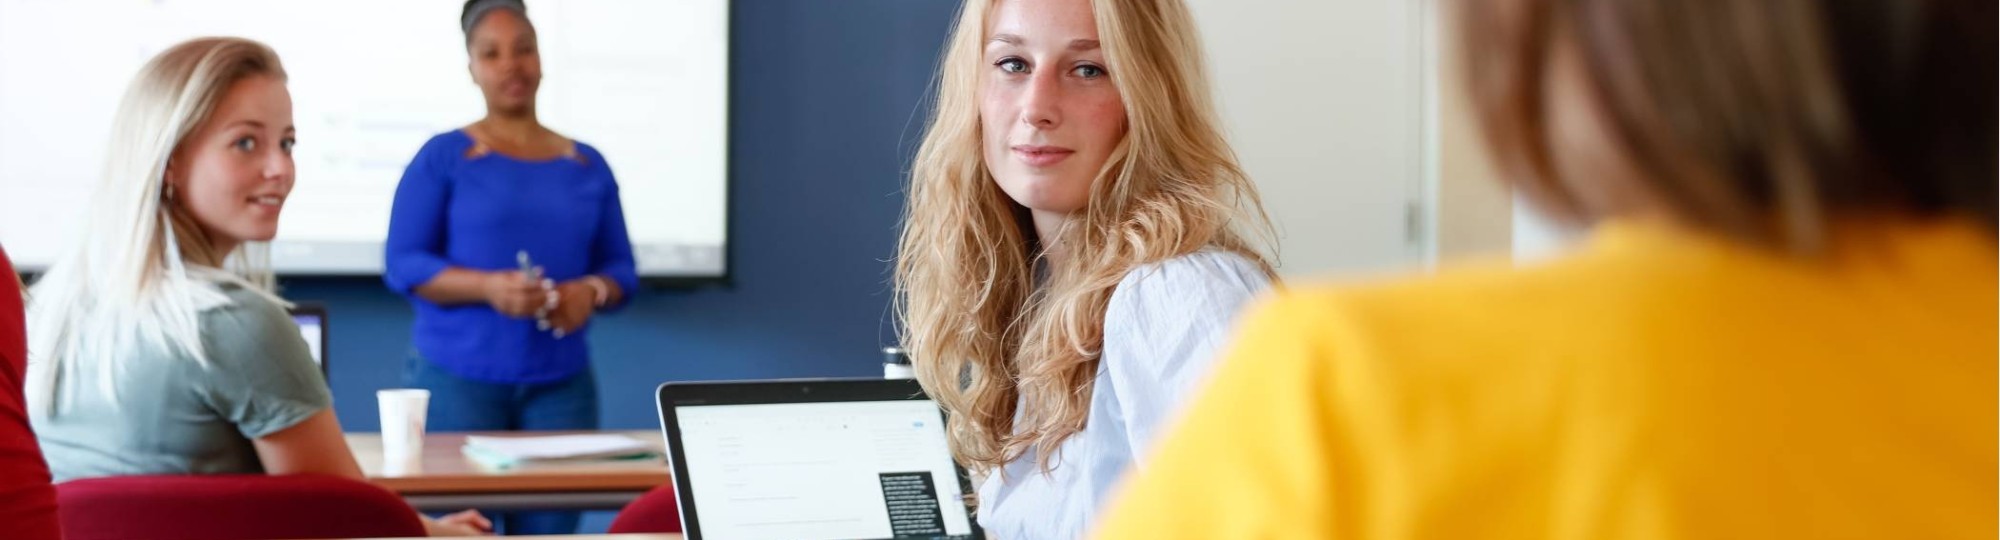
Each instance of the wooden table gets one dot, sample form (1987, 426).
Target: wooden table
(446, 480)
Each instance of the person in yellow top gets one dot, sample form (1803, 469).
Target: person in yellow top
(1783, 325)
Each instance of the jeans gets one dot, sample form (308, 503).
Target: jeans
(459, 404)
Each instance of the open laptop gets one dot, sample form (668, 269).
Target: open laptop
(311, 319)
(813, 459)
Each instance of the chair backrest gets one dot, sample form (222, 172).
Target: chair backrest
(658, 511)
(231, 507)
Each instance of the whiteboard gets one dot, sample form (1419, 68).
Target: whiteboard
(644, 81)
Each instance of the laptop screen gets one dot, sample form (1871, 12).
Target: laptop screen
(311, 327)
(824, 470)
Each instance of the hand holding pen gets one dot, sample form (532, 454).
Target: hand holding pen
(521, 294)
(533, 274)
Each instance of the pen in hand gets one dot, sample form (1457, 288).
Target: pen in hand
(534, 275)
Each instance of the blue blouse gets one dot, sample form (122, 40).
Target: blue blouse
(477, 213)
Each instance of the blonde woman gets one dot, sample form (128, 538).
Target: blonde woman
(146, 356)
(1072, 250)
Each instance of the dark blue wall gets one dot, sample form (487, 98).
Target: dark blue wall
(825, 108)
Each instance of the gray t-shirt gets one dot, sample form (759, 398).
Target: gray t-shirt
(175, 417)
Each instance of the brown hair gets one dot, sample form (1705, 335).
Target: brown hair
(1760, 119)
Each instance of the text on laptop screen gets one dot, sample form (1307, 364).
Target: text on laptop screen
(309, 327)
(858, 469)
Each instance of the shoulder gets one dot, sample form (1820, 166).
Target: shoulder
(252, 341)
(1493, 309)
(1614, 271)
(592, 158)
(1207, 268)
(442, 150)
(587, 151)
(449, 143)
(1186, 303)
(1458, 294)
(244, 316)
(1163, 328)
(1190, 278)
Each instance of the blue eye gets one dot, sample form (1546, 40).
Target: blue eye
(1012, 65)
(1088, 71)
(247, 144)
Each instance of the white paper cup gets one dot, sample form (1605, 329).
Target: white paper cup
(403, 414)
(898, 371)
(896, 364)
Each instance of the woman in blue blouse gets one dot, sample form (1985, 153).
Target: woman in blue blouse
(501, 348)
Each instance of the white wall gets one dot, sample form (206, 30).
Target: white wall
(1474, 215)
(1324, 102)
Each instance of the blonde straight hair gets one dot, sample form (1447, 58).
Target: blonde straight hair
(143, 270)
(983, 336)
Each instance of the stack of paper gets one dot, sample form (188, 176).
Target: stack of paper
(504, 452)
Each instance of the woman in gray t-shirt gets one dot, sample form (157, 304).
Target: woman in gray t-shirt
(173, 415)
(145, 357)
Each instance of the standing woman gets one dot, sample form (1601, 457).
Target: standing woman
(1073, 251)
(499, 347)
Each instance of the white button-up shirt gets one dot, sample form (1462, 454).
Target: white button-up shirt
(1162, 329)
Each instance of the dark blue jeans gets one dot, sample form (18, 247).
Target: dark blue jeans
(459, 404)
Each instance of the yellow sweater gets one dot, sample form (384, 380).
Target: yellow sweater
(1654, 384)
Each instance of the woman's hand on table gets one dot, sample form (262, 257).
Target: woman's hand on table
(466, 523)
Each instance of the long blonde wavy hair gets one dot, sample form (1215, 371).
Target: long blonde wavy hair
(984, 338)
(143, 269)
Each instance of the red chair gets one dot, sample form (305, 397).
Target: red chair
(231, 507)
(655, 512)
